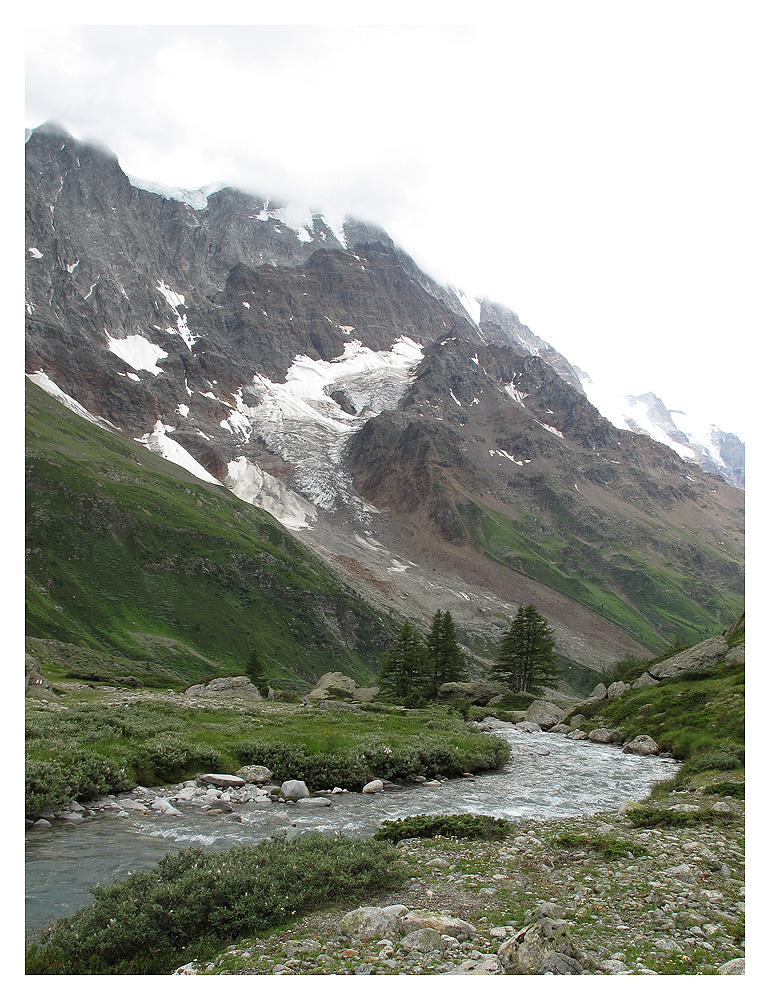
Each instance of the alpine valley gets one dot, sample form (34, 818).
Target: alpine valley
(250, 425)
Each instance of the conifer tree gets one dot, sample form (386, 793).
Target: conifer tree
(446, 660)
(403, 675)
(525, 661)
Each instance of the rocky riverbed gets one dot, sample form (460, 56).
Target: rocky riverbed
(610, 899)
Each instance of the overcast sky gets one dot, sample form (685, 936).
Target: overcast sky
(598, 167)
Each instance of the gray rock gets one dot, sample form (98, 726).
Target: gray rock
(616, 689)
(721, 807)
(544, 713)
(373, 923)
(333, 685)
(613, 966)
(599, 692)
(551, 911)
(577, 734)
(600, 736)
(556, 964)
(255, 774)
(735, 967)
(524, 953)
(222, 780)
(644, 681)
(440, 922)
(422, 939)
(561, 728)
(294, 790)
(643, 746)
(41, 824)
(528, 727)
(476, 692)
(234, 687)
(317, 800)
(490, 724)
(365, 694)
(705, 654)
(577, 721)
(371, 787)
(736, 656)
(304, 946)
(487, 965)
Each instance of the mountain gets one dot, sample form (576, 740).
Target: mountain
(714, 450)
(429, 449)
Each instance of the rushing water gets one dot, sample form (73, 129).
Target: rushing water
(573, 779)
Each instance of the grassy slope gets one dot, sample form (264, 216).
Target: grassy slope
(130, 556)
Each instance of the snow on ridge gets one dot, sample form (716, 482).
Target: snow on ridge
(197, 199)
(158, 442)
(255, 486)
(48, 385)
(469, 304)
(138, 352)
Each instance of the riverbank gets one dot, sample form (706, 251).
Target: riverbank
(621, 900)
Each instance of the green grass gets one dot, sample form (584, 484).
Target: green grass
(87, 748)
(131, 557)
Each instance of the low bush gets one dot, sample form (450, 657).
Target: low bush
(192, 904)
(648, 817)
(725, 758)
(608, 847)
(464, 826)
(735, 788)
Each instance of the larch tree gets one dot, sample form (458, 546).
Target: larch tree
(445, 658)
(404, 673)
(525, 661)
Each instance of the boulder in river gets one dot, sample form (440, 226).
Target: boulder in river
(294, 790)
(600, 736)
(222, 780)
(641, 745)
(372, 786)
(545, 713)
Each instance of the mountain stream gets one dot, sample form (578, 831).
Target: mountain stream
(571, 779)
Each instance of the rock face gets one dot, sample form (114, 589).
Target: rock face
(545, 714)
(233, 687)
(333, 685)
(736, 655)
(705, 654)
(641, 745)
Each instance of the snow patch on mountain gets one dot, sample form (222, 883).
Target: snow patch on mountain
(158, 442)
(197, 198)
(255, 486)
(300, 421)
(48, 385)
(138, 352)
(469, 304)
(176, 301)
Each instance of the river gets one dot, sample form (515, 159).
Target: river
(575, 778)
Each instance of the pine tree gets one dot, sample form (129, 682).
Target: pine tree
(525, 661)
(256, 670)
(446, 660)
(404, 674)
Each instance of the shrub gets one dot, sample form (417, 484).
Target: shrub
(464, 826)
(193, 903)
(649, 817)
(725, 758)
(609, 847)
(735, 788)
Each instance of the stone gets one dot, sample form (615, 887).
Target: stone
(528, 727)
(490, 724)
(646, 680)
(255, 774)
(476, 692)
(556, 964)
(561, 728)
(333, 685)
(721, 807)
(440, 922)
(487, 965)
(294, 790)
(315, 800)
(423, 939)
(643, 746)
(736, 656)
(191, 969)
(600, 736)
(372, 787)
(599, 692)
(613, 966)
(524, 953)
(373, 923)
(301, 947)
(735, 967)
(234, 687)
(577, 721)
(577, 734)
(544, 713)
(550, 910)
(365, 694)
(705, 654)
(222, 780)
(41, 824)
(615, 690)
(683, 807)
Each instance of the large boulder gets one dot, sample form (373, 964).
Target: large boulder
(600, 736)
(736, 656)
(233, 687)
(616, 690)
(537, 949)
(333, 685)
(441, 922)
(373, 922)
(599, 692)
(255, 774)
(642, 745)
(423, 939)
(646, 680)
(294, 790)
(222, 780)
(545, 713)
(365, 694)
(476, 692)
(705, 654)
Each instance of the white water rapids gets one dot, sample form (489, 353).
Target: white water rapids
(572, 779)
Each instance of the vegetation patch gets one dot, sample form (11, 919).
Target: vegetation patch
(649, 817)
(462, 826)
(608, 847)
(737, 789)
(193, 903)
